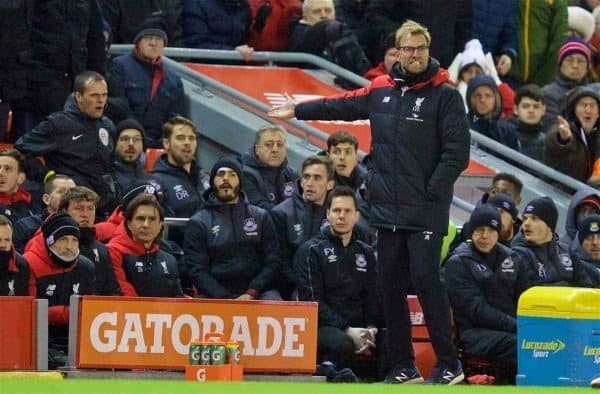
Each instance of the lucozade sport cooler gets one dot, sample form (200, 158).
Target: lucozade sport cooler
(558, 336)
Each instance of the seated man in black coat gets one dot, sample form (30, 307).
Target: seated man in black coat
(484, 285)
(586, 248)
(267, 176)
(538, 251)
(230, 247)
(338, 271)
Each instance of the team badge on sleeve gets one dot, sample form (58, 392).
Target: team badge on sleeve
(103, 134)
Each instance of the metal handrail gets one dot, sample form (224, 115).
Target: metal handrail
(268, 57)
(462, 204)
(294, 57)
(528, 162)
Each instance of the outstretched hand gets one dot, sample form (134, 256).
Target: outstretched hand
(285, 110)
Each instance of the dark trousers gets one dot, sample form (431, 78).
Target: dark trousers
(334, 345)
(407, 258)
(494, 344)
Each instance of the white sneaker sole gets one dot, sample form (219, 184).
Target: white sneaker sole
(457, 379)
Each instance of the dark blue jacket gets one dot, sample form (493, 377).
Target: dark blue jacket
(231, 249)
(126, 175)
(182, 191)
(483, 289)
(531, 138)
(342, 279)
(131, 80)
(590, 266)
(420, 144)
(97, 253)
(495, 25)
(549, 264)
(267, 186)
(208, 25)
(25, 228)
(296, 221)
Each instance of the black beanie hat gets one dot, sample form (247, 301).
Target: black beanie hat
(485, 215)
(545, 209)
(588, 226)
(227, 161)
(58, 226)
(147, 186)
(129, 123)
(505, 202)
(153, 26)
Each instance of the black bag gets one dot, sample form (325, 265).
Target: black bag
(346, 52)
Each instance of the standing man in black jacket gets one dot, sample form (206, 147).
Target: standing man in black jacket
(15, 52)
(338, 271)
(230, 247)
(66, 39)
(78, 141)
(420, 145)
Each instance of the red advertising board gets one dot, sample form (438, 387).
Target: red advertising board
(17, 333)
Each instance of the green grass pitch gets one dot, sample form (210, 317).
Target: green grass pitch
(77, 386)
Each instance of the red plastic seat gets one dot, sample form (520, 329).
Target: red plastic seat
(152, 154)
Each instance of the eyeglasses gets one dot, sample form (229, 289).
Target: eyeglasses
(126, 139)
(410, 50)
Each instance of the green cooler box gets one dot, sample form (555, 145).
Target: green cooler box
(558, 336)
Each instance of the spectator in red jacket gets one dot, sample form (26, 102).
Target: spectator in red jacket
(270, 26)
(57, 272)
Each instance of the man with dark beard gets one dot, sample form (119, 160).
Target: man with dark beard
(14, 269)
(80, 203)
(230, 247)
(58, 272)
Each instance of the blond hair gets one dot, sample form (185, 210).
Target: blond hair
(410, 28)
